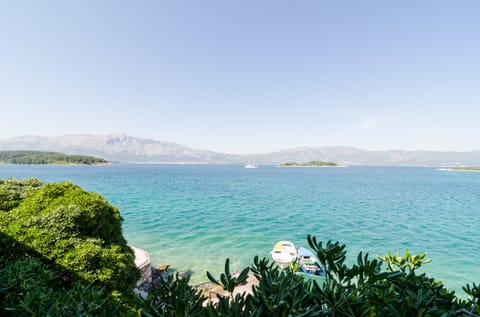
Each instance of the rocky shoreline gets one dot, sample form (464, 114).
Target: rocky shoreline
(153, 276)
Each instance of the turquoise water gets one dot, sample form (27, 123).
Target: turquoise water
(195, 216)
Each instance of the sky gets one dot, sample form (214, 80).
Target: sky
(245, 76)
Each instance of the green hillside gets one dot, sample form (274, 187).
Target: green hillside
(38, 157)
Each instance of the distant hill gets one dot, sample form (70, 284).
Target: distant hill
(114, 148)
(354, 156)
(127, 149)
(39, 157)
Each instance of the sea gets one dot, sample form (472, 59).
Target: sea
(194, 217)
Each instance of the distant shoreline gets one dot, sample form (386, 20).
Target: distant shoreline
(310, 164)
(55, 164)
(48, 158)
(125, 149)
(460, 169)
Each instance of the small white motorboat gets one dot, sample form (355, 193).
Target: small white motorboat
(284, 253)
(308, 262)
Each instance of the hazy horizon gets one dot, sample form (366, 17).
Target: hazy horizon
(244, 153)
(245, 77)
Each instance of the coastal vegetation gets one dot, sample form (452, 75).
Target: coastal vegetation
(464, 169)
(39, 157)
(62, 253)
(310, 164)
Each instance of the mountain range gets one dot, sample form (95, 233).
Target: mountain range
(127, 149)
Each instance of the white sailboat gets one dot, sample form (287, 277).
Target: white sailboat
(250, 165)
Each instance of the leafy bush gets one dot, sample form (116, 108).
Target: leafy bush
(174, 297)
(30, 288)
(360, 289)
(77, 232)
(12, 191)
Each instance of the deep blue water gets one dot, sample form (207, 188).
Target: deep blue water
(195, 216)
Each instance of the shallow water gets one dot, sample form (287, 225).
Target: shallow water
(195, 216)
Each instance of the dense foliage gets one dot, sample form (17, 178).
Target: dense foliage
(309, 164)
(38, 157)
(28, 287)
(361, 289)
(62, 254)
(71, 238)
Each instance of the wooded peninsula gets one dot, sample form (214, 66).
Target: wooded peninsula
(39, 157)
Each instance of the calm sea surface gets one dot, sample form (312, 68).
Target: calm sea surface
(195, 216)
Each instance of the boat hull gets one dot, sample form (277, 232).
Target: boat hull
(284, 253)
(309, 263)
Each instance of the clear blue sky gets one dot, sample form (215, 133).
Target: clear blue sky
(245, 76)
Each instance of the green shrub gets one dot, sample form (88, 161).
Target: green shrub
(360, 289)
(13, 191)
(76, 231)
(30, 288)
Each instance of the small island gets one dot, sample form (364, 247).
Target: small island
(310, 164)
(462, 169)
(39, 157)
